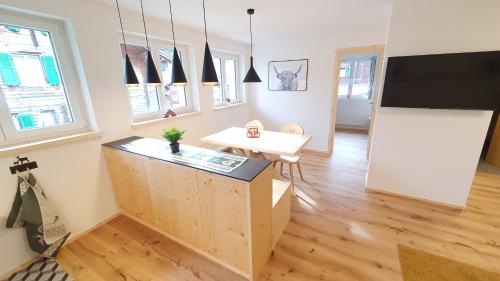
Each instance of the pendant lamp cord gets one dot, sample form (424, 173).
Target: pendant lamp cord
(205, 21)
(171, 20)
(144, 22)
(251, 37)
(121, 26)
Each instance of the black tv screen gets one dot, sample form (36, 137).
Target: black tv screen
(445, 81)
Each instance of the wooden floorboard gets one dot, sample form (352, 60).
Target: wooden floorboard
(123, 249)
(338, 231)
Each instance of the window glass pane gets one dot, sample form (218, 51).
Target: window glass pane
(142, 99)
(345, 70)
(176, 96)
(356, 76)
(344, 78)
(230, 79)
(30, 70)
(217, 90)
(30, 79)
(361, 78)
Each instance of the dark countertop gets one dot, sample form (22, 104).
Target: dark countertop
(246, 172)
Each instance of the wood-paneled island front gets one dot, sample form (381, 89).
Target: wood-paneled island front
(225, 215)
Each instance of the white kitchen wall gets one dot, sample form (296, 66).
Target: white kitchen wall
(312, 108)
(75, 175)
(433, 154)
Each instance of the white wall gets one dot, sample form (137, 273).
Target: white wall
(75, 175)
(353, 113)
(433, 154)
(312, 108)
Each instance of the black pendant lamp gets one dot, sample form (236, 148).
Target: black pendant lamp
(208, 74)
(178, 75)
(152, 77)
(130, 78)
(252, 75)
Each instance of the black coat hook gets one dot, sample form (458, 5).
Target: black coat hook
(22, 164)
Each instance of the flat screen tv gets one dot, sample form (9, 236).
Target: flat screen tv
(445, 81)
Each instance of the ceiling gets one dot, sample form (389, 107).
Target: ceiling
(272, 19)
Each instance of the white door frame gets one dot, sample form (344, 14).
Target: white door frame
(379, 49)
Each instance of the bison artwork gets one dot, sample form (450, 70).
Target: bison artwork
(288, 75)
(288, 79)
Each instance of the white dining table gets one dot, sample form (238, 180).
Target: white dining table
(271, 142)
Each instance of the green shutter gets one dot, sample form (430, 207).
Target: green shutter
(13, 28)
(26, 121)
(8, 70)
(50, 69)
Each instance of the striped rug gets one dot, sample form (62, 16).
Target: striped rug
(44, 270)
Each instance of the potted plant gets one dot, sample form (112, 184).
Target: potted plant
(173, 135)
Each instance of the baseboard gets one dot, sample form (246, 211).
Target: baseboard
(196, 250)
(22, 265)
(89, 229)
(317, 152)
(410, 197)
(348, 128)
(6, 275)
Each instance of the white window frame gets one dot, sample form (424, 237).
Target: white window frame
(351, 79)
(228, 56)
(70, 81)
(155, 44)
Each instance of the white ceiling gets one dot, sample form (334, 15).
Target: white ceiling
(273, 18)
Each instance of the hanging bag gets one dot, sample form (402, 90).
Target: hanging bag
(45, 230)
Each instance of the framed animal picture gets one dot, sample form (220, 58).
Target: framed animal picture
(288, 75)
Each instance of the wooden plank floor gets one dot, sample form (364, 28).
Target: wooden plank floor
(338, 231)
(123, 249)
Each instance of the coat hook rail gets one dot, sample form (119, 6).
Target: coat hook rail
(22, 164)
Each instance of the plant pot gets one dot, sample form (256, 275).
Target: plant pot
(174, 147)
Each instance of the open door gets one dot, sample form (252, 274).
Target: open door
(349, 60)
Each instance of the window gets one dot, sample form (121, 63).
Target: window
(176, 96)
(345, 70)
(152, 102)
(226, 66)
(143, 99)
(356, 76)
(40, 94)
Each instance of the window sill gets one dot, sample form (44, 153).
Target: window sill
(36, 145)
(138, 125)
(221, 107)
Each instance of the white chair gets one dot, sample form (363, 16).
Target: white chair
(255, 123)
(291, 128)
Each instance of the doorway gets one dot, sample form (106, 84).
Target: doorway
(355, 92)
(489, 161)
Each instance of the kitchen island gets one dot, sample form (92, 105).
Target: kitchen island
(217, 204)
